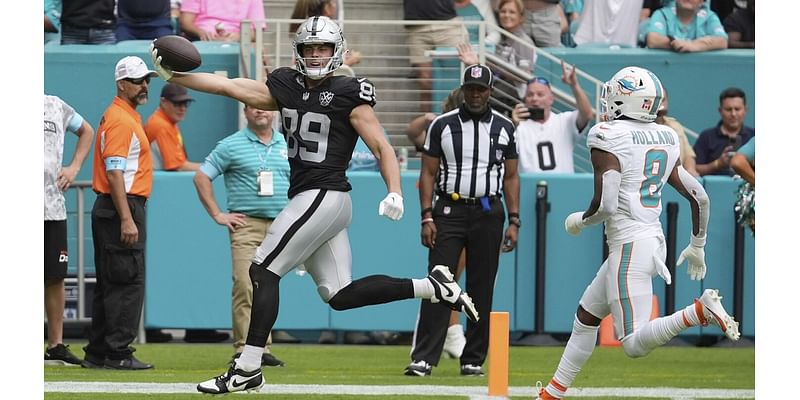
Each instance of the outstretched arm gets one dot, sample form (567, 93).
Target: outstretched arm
(248, 91)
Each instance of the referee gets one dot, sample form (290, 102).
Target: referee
(469, 158)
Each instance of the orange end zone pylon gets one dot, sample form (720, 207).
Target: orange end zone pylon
(606, 336)
(498, 354)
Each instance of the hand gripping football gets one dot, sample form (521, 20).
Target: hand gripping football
(177, 53)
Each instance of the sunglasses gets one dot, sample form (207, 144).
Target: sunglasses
(184, 103)
(541, 80)
(139, 81)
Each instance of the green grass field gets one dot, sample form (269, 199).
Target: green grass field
(373, 366)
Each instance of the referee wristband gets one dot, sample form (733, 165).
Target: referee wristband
(426, 220)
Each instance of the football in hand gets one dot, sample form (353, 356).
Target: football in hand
(177, 53)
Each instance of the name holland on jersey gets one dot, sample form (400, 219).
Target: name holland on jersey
(652, 137)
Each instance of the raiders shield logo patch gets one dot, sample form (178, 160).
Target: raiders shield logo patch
(325, 98)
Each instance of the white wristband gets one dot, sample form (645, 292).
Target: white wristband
(698, 241)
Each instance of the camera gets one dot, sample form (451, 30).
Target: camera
(536, 113)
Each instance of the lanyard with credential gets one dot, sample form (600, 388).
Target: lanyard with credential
(264, 176)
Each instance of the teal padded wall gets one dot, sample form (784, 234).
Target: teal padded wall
(188, 259)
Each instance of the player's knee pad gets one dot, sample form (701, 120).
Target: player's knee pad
(262, 277)
(633, 347)
(342, 300)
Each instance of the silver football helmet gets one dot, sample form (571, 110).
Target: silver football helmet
(318, 30)
(633, 92)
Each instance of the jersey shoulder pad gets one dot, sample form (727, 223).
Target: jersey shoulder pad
(284, 76)
(607, 136)
(356, 90)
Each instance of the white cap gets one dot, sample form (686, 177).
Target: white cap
(132, 67)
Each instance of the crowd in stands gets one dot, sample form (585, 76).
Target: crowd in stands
(678, 25)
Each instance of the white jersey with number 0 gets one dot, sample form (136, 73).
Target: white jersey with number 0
(647, 153)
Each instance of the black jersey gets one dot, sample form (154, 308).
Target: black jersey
(317, 126)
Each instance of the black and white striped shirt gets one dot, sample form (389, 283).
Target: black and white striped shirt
(471, 151)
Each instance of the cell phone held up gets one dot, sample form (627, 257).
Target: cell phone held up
(536, 114)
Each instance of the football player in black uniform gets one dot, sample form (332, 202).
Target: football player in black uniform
(323, 116)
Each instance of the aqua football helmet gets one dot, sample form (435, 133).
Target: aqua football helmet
(318, 30)
(632, 92)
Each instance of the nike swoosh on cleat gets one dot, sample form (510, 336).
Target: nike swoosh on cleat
(235, 385)
(449, 292)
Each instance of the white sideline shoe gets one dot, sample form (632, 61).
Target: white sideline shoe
(448, 291)
(454, 342)
(233, 380)
(714, 312)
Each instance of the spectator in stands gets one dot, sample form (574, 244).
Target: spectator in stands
(686, 26)
(547, 144)
(648, 8)
(52, 21)
(688, 157)
(519, 53)
(609, 23)
(88, 22)
(59, 118)
(478, 10)
(143, 20)
(744, 164)
(218, 20)
(572, 11)
(328, 8)
(428, 37)
(254, 162)
(741, 27)
(122, 177)
(166, 141)
(545, 21)
(307, 8)
(715, 146)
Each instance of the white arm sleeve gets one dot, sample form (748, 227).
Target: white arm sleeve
(697, 192)
(609, 199)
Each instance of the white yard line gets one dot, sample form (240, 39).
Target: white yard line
(473, 392)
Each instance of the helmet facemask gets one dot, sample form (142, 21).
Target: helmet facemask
(318, 30)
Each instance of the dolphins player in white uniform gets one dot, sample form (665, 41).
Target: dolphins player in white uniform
(633, 158)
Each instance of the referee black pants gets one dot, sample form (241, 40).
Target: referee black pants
(481, 232)
(119, 292)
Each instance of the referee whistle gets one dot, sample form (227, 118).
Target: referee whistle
(455, 196)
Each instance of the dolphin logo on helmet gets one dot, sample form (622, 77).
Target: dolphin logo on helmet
(632, 92)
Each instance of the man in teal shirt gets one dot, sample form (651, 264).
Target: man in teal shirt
(255, 164)
(686, 26)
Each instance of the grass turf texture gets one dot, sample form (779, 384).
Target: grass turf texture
(682, 367)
